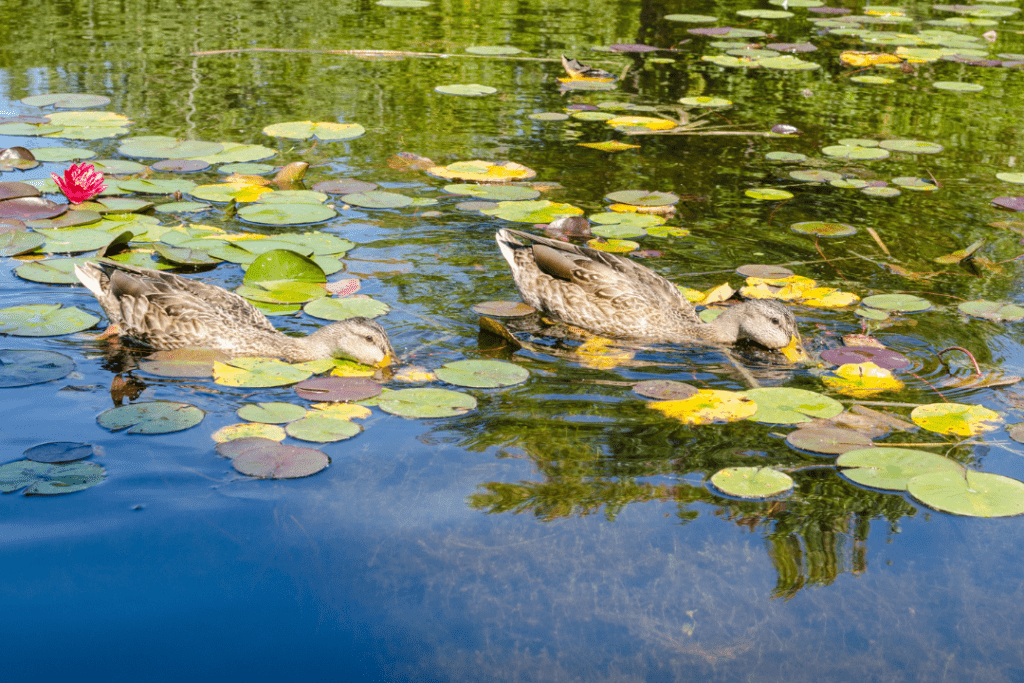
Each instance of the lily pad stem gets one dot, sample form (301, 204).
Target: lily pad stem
(969, 355)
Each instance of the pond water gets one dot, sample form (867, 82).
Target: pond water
(563, 530)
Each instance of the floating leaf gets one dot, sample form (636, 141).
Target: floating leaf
(286, 214)
(257, 372)
(1011, 203)
(882, 357)
(322, 428)
(282, 264)
(45, 479)
(782, 405)
(60, 451)
(493, 50)
(343, 309)
(325, 131)
(503, 309)
(992, 310)
(66, 100)
(641, 122)
(973, 494)
(708, 406)
(958, 419)
(769, 194)
(911, 146)
(665, 389)
(61, 154)
(751, 482)
(827, 440)
(340, 411)
(157, 186)
(961, 254)
(613, 245)
(494, 192)
(44, 320)
(271, 413)
(483, 171)
(642, 198)
(549, 116)
(181, 165)
(863, 59)
(163, 147)
(151, 417)
(22, 367)
(857, 153)
(872, 80)
(17, 242)
(706, 102)
(466, 90)
(267, 459)
(820, 229)
(609, 146)
(875, 191)
(248, 430)
(482, 373)
(377, 199)
(30, 208)
(957, 86)
(691, 18)
(338, 389)
(904, 303)
(885, 467)
(1017, 178)
(187, 362)
(426, 402)
(862, 380)
(282, 292)
(536, 211)
(785, 156)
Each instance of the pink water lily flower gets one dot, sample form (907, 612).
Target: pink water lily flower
(80, 183)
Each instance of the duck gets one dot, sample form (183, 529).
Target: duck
(164, 311)
(613, 296)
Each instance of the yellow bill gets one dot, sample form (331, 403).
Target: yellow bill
(794, 350)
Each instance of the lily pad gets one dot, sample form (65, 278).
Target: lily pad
(275, 412)
(503, 309)
(60, 451)
(377, 199)
(785, 156)
(781, 405)
(283, 264)
(496, 193)
(904, 303)
(957, 86)
(482, 373)
(973, 494)
(163, 147)
(22, 367)
(44, 320)
(187, 362)
(257, 372)
(549, 116)
(182, 207)
(426, 402)
(286, 214)
(884, 358)
(157, 186)
(885, 467)
(66, 100)
(665, 389)
(992, 310)
(17, 242)
(614, 246)
(268, 459)
(324, 131)
(466, 90)
(536, 211)
(856, 153)
(1017, 178)
(322, 428)
(768, 272)
(1011, 203)
(821, 229)
(61, 154)
(248, 430)
(75, 240)
(343, 309)
(483, 171)
(151, 417)
(827, 440)
(911, 146)
(708, 406)
(30, 208)
(959, 419)
(751, 482)
(642, 198)
(493, 50)
(45, 479)
(768, 194)
(338, 389)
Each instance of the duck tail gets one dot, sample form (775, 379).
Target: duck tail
(508, 245)
(89, 275)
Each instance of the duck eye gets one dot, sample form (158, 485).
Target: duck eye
(369, 337)
(775, 321)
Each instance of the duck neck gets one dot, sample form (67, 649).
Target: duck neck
(725, 329)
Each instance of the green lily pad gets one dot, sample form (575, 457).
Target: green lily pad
(903, 303)
(157, 186)
(751, 482)
(815, 176)
(466, 90)
(151, 417)
(248, 430)
(1016, 178)
(828, 440)
(404, 4)
(536, 211)
(60, 451)
(959, 419)
(117, 166)
(163, 147)
(66, 100)
(495, 193)
(17, 242)
(293, 197)
(769, 194)
(348, 307)
(706, 102)
(788, 63)
(957, 86)
(275, 412)
(549, 116)
(61, 154)
(765, 13)
(872, 80)
(973, 494)
(482, 373)
(53, 271)
(503, 309)
(182, 207)
(426, 402)
(324, 131)
(282, 291)
(45, 479)
(322, 429)
(257, 372)
(642, 198)
(592, 116)
(282, 264)
(268, 459)
(235, 152)
(691, 18)
(22, 367)
(820, 229)
(871, 314)
(181, 256)
(781, 405)
(377, 199)
(785, 156)
(857, 153)
(613, 246)
(885, 467)
(186, 362)
(493, 50)
(286, 214)
(992, 310)
(915, 183)
(44, 320)
(636, 220)
(618, 231)
(881, 191)
(911, 146)
(74, 240)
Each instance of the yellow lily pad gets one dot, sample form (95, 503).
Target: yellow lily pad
(958, 419)
(599, 353)
(245, 430)
(483, 171)
(708, 406)
(257, 372)
(861, 380)
(648, 122)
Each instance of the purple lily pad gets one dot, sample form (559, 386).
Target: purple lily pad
(883, 358)
(829, 10)
(582, 107)
(338, 389)
(345, 186)
(791, 47)
(1011, 203)
(181, 165)
(14, 190)
(31, 208)
(714, 31)
(665, 389)
(632, 47)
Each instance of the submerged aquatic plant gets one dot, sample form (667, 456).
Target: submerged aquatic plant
(80, 183)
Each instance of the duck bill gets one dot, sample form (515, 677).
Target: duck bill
(794, 350)
(386, 361)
